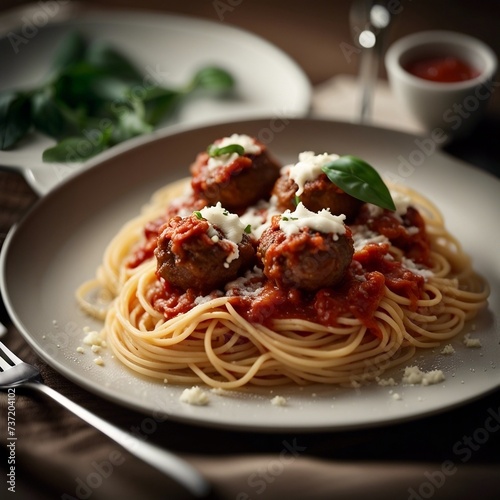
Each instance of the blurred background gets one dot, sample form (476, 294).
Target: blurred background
(312, 31)
(317, 34)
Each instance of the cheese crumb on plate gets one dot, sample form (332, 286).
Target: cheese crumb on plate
(194, 396)
(99, 361)
(470, 342)
(448, 349)
(414, 376)
(278, 401)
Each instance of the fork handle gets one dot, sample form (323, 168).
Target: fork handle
(159, 458)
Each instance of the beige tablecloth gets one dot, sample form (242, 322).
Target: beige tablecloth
(339, 98)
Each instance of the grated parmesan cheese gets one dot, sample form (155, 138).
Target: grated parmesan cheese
(230, 224)
(219, 391)
(386, 382)
(416, 269)
(245, 141)
(259, 217)
(414, 376)
(402, 202)
(99, 361)
(308, 168)
(469, 342)
(278, 401)
(322, 221)
(249, 285)
(448, 349)
(362, 236)
(92, 338)
(374, 211)
(194, 396)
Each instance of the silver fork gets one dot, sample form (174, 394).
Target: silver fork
(16, 373)
(370, 20)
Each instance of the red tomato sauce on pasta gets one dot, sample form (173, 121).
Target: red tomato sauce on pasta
(372, 270)
(147, 249)
(358, 295)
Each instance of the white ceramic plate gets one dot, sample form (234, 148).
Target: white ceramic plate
(167, 48)
(60, 244)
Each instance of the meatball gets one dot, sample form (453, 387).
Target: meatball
(306, 181)
(236, 181)
(306, 259)
(193, 253)
(153, 227)
(318, 194)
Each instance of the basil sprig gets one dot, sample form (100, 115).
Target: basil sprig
(213, 150)
(15, 118)
(360, 180)
(94, 97)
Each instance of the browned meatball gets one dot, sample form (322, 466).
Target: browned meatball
(318, 194)
(191, 253)
(308, 260)
(238, 184)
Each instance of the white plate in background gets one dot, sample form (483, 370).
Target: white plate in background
(167, 48)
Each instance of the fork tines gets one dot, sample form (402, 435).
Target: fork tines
(7, 358)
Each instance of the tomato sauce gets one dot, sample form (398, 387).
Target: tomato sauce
(414, 243)
(358, 294)
(153, 228)
(442, 69)
(146, 250)
(171, 301)
(219, 175)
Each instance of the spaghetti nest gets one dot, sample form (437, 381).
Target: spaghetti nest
(215, 344)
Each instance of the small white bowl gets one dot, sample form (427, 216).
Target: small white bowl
(445, 109)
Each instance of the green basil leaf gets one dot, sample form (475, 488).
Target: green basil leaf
(153, 93)
(52, 117)
(359, 179)
(213, 150)
(102, 55)
(108, 88)
(15, 117)
(130, 123)
(212, 78)
(91, 83)
(159, 103)
(76, 149)
(70, 51)
(76, 86)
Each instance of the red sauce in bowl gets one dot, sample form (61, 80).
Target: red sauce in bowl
(442, 69)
